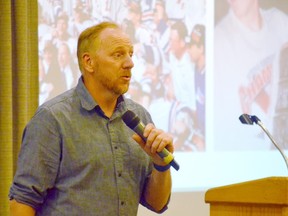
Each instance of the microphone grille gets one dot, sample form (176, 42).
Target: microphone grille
(130, 119)
(246, 119)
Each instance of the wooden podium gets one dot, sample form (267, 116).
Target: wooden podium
(262, 197)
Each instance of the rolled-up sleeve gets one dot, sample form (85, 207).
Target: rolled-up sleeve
(38, 160)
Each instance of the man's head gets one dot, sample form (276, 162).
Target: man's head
(177, 38)
(89, 39)
(64, 55)
(159, 11)
(134, 13)
(62, 25)
(105, 57)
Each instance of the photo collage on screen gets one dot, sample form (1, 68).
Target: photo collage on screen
(167, 38)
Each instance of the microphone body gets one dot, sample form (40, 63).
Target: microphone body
(134, 123)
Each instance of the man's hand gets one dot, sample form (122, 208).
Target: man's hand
(157, 140)
(20, 209)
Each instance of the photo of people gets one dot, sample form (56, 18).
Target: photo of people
(249, 41)
(164, 73)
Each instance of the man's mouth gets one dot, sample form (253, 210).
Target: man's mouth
(126, 78)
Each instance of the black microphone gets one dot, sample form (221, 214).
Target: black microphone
(133, 122)
(251, 119)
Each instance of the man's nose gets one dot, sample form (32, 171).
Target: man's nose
(128, 62)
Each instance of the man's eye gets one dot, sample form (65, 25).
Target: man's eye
(118, 55)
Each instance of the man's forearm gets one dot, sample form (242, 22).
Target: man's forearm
(20, 209)
(158, 189)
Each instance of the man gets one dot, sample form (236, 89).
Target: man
(49, 69)
(68, 68)
(181, 67)
(61, 33)
(197, 55)
(77, 155)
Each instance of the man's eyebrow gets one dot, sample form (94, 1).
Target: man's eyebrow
(120, 48)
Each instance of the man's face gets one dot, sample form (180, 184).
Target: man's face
(159, 13)
(61, 26)
(63, 55)
(175, 40)
(112, 69)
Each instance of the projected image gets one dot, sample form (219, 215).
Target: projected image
(169, 56)
(249, 38)
(280, 121)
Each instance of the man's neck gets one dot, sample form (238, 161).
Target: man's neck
(105, 99)
(179, 53)
(252, 19)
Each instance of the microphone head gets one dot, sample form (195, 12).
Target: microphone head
(249, 119)
(246, 119)
(130, 119)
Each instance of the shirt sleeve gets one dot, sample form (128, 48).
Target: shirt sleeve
(38, 160)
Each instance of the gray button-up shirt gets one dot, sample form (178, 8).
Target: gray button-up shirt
(76, 161)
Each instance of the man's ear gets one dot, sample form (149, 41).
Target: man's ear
(87, 62)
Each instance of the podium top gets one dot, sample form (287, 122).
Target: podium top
(271, 190)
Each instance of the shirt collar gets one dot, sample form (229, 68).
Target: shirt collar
(87, 101)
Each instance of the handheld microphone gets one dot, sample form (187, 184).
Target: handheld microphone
(134, 123)
(251, 119)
